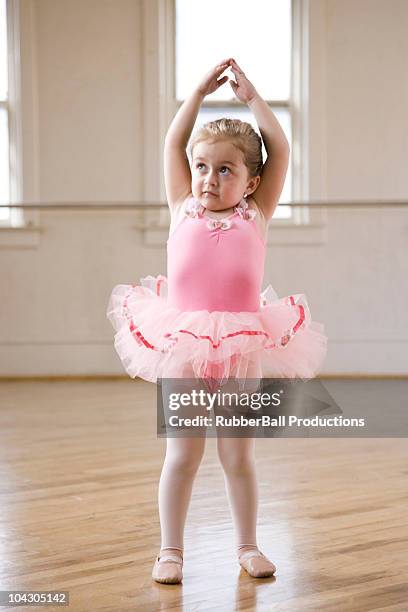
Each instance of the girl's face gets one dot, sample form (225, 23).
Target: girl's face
(219, 175)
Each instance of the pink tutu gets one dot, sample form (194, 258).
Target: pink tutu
(154, 340)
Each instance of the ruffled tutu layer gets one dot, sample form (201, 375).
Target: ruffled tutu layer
(154, 340)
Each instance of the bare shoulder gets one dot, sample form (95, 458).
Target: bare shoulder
(261, 220)
(254, 204)
(177, 212)
(176, 206)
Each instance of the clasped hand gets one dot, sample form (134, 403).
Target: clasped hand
(242, 87)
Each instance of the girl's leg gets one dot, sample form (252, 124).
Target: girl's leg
(183, 457)
(237, 456)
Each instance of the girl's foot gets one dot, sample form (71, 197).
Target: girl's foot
(168, 566)
(255, 562)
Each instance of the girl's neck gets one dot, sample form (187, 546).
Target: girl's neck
(216, 212)
(223, 209)
(220, 210)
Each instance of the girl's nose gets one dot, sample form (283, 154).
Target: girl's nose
(212, 178)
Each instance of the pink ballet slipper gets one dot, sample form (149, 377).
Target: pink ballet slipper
(168, 569)
(256, 564)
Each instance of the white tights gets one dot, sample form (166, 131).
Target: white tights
(183, 457)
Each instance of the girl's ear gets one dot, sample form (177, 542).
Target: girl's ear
(253, 184)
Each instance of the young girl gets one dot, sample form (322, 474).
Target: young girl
(207, 319)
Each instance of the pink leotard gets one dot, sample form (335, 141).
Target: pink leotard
(215, 265)
(209, 319)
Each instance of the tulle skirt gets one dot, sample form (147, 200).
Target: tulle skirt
(155, 341)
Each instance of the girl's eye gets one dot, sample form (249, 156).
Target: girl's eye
(222, 169)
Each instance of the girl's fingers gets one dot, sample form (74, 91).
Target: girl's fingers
(221, 68)
(222, 81)
(237, 67)
(223, 64)
(237, 73)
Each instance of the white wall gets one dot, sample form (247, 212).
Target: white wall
(367, 99)
(89, 89)
(88, 72)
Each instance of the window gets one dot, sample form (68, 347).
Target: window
(208, 32)
(11, 177)
(4, 119)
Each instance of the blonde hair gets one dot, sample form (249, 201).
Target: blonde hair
(240, 133)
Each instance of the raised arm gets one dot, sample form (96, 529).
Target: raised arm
(276, 144)
(177, 173)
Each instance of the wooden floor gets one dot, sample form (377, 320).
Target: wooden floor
(79, 470)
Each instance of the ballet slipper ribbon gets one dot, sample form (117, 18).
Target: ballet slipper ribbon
(172, 558)
(250, 554)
